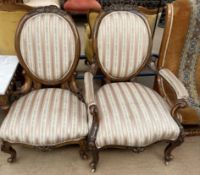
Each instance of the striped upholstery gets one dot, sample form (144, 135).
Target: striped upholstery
(89, 89)
(131, 114)
(177, 85)
(123, 42)
(47, 45)
(41, 3)
(45, 117)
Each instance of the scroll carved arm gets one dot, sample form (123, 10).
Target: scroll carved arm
(95, 125)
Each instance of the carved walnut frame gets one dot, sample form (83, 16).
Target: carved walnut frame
(93, 109)
(32, 82)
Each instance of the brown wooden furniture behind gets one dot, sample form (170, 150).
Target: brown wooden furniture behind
(179, 54)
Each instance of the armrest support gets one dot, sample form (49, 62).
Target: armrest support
(92, 108)
(89, 89)
(175, 83)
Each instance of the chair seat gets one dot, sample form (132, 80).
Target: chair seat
(45, 117)
(133, 115)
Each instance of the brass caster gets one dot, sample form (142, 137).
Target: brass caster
(169, 158)
(93, 166)
(166, 163)
(93, 170)
(10, 160)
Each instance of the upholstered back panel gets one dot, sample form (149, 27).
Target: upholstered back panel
(123, 41)
(48, 46)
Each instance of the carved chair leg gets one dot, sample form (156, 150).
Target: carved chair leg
(6, 147)
(83, 149)
(170, 147)
(95, 158)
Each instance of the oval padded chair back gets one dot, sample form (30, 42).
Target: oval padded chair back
(122, 44)
(48, 45)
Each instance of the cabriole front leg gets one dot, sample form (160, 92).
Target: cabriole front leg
(173, 144)
(7, 148)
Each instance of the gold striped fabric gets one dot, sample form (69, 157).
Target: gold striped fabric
(131, 114)
(177, 85)
(123, 43)
(45, 117)
(41, 3)
(89, 89)
(47, 46)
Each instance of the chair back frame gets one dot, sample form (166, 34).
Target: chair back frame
(65, 16)
(95, 47)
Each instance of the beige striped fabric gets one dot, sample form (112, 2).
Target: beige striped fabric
(131, 114)
(123, 43)
(45, 117)
(176, 84)
(41, 3)
(47, 45)
(89, 89)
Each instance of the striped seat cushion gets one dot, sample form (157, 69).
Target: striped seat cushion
(131, 114)
(123, 41)
(45, 117)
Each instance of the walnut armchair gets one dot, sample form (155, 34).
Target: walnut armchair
(124, 113)
(180, 54)
(53, 114)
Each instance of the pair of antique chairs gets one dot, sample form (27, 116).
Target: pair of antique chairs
(52, 111)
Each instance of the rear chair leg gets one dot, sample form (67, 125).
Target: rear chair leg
(7, 148)
(83, 149)
(170, 147)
